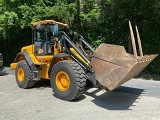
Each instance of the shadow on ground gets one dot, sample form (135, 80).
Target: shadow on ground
(42, 84)
(121, 98)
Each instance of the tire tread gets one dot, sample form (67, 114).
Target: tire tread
(29, 82)
(80, 79)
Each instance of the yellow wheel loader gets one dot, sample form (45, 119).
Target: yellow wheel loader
(69, 63)
(2, 71)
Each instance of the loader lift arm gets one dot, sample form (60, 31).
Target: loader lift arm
(78, 56)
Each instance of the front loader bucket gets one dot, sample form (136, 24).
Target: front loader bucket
(113, 66)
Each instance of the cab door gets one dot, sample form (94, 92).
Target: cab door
(42, 42)
(39, 43)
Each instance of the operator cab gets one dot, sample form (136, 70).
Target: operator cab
(43, 39)
(45, 36)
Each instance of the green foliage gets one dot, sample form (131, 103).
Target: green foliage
(97, 20)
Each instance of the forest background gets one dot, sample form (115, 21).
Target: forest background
(97, 20)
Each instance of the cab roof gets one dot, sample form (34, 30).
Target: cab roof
(44, 22)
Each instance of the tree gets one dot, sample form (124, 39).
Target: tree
(97, 20)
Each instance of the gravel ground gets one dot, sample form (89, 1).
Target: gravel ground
(136, 100)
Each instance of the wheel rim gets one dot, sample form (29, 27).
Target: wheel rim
(62, 81)
(20, 75)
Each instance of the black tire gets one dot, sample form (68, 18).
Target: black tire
(76, 77)
(27, 81)
(2, 71)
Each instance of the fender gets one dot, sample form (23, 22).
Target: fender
(53, 61)
(25, 56)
